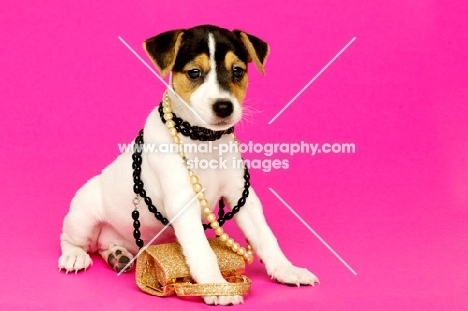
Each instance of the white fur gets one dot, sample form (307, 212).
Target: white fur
(100, 213)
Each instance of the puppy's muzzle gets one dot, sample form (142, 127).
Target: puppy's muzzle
(223, 108)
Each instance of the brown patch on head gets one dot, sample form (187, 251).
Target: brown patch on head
(183, 84)
(238, 86)
(202, 62)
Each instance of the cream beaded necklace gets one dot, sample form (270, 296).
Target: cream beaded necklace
(167, 116)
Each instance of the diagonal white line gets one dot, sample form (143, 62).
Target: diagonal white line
(313, 231)
(161, 79)
(160, 232)
(310, 82)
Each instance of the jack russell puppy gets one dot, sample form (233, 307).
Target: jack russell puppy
(209, 74)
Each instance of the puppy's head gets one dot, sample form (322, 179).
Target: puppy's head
(209, 70)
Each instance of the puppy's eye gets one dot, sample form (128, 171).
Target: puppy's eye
(238, 72)
(194, 73)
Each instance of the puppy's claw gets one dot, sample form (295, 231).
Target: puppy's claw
(289, 274)
(223, 300)
(74, 259)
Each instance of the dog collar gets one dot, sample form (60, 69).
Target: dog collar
(194, 132)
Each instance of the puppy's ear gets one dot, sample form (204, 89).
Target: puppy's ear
(257, 48)
(163, 48)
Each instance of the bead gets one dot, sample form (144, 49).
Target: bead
(168, 116)
(136, 224)
(170, 123)
(211, 217)
(167, 103)
(136, 189)
(224, 237)
(230, 242)
(203, 202)
(135, 215)
(176, 139)
(249, 248)
(241, 251)
(201, 195)
(235, 247)
(148, 201)
(158, 215)
(249, 258)
(197, 187)
(219, 231)
(167, 109)
(139, 243)
(136, 234)
(214, 225)
(193, 179)
(172, 131)
(206, 210)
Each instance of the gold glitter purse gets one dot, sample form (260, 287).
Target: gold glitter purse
(161, 270)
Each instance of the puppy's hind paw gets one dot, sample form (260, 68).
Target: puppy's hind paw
(291, 275)
(118, 258)
(223, 300)
(74, 259)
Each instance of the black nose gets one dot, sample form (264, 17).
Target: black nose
(223, 109)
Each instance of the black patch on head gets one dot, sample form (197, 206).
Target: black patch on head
(194, 43)
(161, 48)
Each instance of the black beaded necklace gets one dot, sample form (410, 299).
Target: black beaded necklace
(195, 133)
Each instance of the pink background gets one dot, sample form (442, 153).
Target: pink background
(396, 210)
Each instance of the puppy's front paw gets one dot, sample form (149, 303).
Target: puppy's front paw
(223, 300)
(289, 274)
(74, 259)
